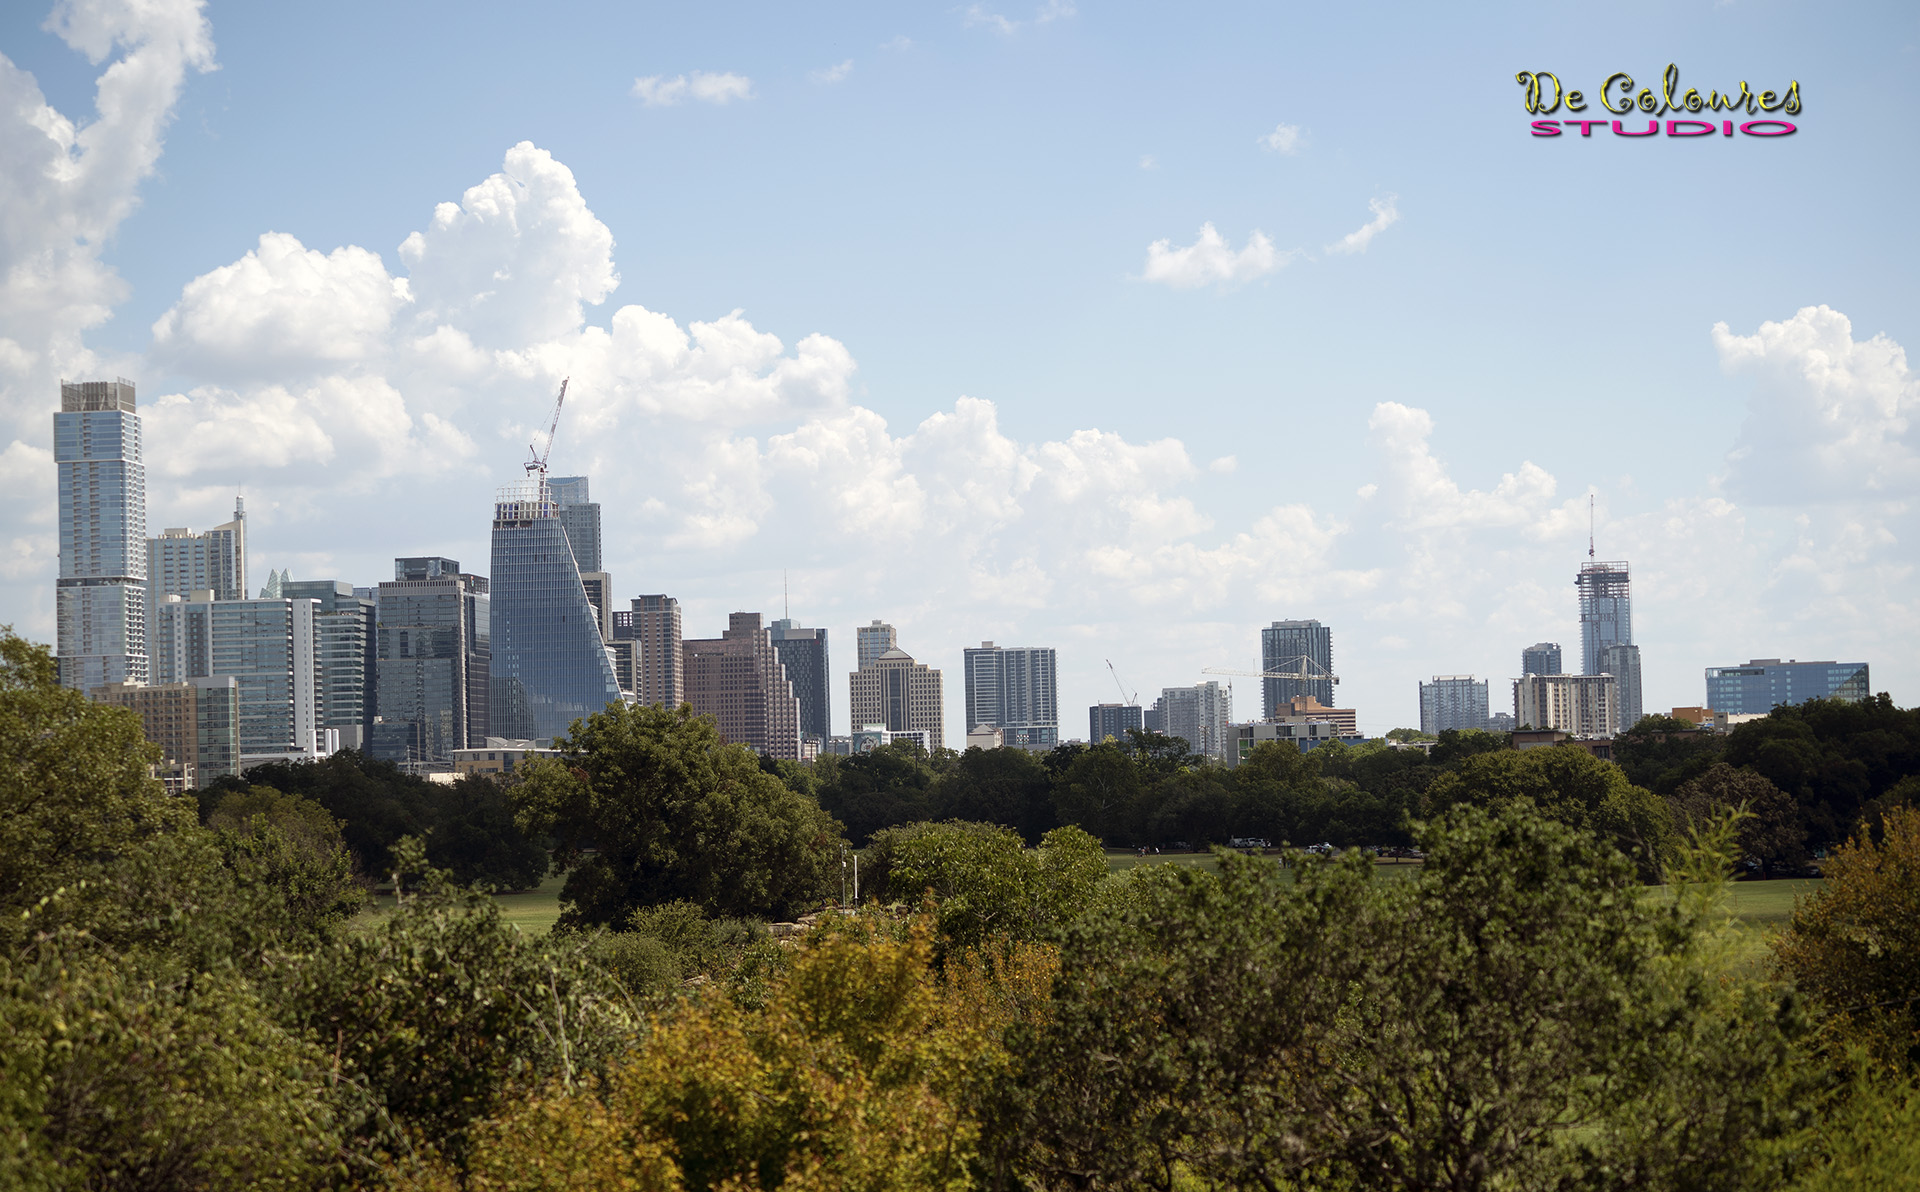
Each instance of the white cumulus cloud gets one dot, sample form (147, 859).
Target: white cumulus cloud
(832, 74)
(659, 91)
(1386, 213)
(1833, 418)
(1210, 260)
(1285, 138)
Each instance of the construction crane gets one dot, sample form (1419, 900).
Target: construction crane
(1126, 699)
(538, 463)
(1306, 670)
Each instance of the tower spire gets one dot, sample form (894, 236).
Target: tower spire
(1589, 527)
(786, 606)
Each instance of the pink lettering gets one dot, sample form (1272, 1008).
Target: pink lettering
(1729, 128)
(1752, 127)
(1653, 129)
(1586, 126)
(1546, 128)
(1699, 128)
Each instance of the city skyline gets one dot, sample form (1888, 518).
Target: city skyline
(347, 283)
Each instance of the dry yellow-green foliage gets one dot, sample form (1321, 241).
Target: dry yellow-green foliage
(855, 1075)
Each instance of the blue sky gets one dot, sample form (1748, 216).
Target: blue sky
(960, 201)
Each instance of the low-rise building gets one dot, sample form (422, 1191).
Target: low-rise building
(499, 756)
(1303, 734)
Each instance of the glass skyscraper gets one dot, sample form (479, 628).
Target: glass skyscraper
(1541, 658)
(1014, 689)
(100, 598)
(1758, 687)
(580, 517)
(549, 662)
(343, 626)
(804, 653)
(1606, 611)
(1453, 702)
(1300, 647)
(432, 645)
(181, 562)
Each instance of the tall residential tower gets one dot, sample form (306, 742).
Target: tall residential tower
(1298, 647)
(100, 598)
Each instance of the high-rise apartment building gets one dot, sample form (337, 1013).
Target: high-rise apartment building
(1016, 690)
(1765, 683)
(738, 680)
(655, 624)
(598, 586)
(100, 597)
(1113, 720)
(1542, 658)
(900, 696)
(1581, 705)
(1622, 661)
(195, 723)
(580, 518)
(804, 653)
(181, 562)
(433, 649)
(871, 641)
(1457, 702)
(270, 649)
(345, 639)
(1296, 647)
(549, 664)
(1201, 715)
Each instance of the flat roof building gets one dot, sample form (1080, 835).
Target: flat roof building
(1765, 683)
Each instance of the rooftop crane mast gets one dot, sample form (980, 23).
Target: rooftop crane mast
(1126, 699)
(538, 463)
(1305, 670)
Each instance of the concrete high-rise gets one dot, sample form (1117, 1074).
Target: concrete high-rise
(1622, 661)
(738, 680)
(549, 663)
(1297, 647)
(1201, 715)
(1542, 658)
(900, 695)
(1765, 683)
(1581, 705)
(1457, 702)
(871, 641)
(660, 676)
(1113, 720)
(433, 668)
(344, 633)
(100, 597)
(1016, 690)
(196, 724)
(804, 653)
(181, 562)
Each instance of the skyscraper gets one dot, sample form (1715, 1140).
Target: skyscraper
(1014, 689)
(804, 653)
(344, 634)
(900, 695)
(1606, 611)
(580, 517)
(738, 680)
(1113, 720)
(1542, 658)
(269, 648)
(433, 650)
(1457, 702)
(1301, 647)
(1622, 661)
(1201, 715)
(871, 641)
(661, 677)
(100, 597)
(181, 562)
(549, 665)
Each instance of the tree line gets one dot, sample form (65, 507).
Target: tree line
(199, 993)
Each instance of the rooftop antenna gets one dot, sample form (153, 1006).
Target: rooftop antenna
(786, 607)
(1589, 527)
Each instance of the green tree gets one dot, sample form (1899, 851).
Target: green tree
(1486, 1025)
(74, 790)
(1663, 752)
(1854, 946)
(1835, 758)
(1771, 834)
(1001, 786)
(870, 791)
(990, 888)
(1099, 790)
(293, 847)
(1568, 784)
(646, 806)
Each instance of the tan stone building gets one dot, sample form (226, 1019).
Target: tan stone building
(899, 694)
(1582, 705)
(196, 724)
(737, 679)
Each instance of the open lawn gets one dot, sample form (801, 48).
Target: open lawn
(532, 911)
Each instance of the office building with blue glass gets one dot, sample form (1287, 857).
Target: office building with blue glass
(1765, 683)
(1296, 648)
(549, 664)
